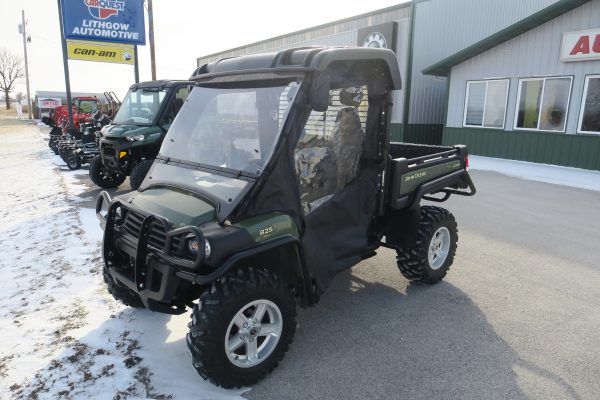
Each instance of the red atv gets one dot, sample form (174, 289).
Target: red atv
(83, 109)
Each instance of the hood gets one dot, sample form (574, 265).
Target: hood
(181, 208)
(119, 131)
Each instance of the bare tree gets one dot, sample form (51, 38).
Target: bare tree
(11, 69)
(20, 96)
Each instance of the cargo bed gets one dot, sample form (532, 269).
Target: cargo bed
(417, 171)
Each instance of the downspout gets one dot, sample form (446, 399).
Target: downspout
(447, 103)
(409, 68)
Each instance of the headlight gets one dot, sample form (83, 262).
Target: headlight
(194, 245)
(136, 138)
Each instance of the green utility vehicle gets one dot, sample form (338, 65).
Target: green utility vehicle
(277, 174)
(132, 141)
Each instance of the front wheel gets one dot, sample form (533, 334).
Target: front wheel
(429, 259)
(242, 327)
(73, 162)
(54, 146)
(100, 176)
(120, 292)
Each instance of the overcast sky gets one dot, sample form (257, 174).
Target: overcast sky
(184, 30)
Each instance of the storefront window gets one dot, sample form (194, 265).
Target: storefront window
(543, 104)
(589, 120)
(486, 103)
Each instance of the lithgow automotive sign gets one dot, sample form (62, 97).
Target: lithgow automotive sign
(581, 46)
(120, 21)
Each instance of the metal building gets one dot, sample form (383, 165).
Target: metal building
(532, 90)
(442, 44)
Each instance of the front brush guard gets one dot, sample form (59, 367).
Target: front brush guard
(143, 249)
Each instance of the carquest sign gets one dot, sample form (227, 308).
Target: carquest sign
(120, 21)
(581, 46)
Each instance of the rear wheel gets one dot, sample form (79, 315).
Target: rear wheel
(242, 327)
(73, 162)
(100, 176)
(138, 173)
(430, 258)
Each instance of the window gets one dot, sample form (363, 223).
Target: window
(485, 104)
(589, 118)
(176, 104)
(329, 150)
(543, 104)
(231, 127)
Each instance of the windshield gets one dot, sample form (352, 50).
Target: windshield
(233, 128)
(88, 106)
(140, 107)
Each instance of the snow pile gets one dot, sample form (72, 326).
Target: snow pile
(566, 176)
(63, 335)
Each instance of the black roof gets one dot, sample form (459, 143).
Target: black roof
(304, 59)
(159, 84)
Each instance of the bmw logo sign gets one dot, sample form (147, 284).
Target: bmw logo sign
(375, 40)
(126, 55)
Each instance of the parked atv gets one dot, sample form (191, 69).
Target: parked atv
(83, 108)
(132, 141)
(85, 146)
(277, 175)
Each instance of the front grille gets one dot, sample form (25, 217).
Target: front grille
(175, 242)
(133, 225)
(108, 149)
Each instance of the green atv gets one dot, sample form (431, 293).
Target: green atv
(277, 175)
(132, 141)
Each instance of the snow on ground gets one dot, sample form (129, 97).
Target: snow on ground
(63, 336)
(574, 177)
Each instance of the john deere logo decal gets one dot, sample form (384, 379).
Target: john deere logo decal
(103, 9)
(375, 40)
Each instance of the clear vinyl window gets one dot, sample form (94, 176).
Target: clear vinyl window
(328, 153)
(234, 128)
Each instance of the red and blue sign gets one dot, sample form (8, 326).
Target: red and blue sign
(117, 21)
(102, 9)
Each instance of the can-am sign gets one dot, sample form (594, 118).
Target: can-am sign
(120, 21)
(581, 46)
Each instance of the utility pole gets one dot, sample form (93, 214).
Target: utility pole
(151, 34)
(65, 66)
(24, 29)
(136, 65)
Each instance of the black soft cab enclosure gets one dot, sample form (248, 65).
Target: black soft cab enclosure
(277, 174)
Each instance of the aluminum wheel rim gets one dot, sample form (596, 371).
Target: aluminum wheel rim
(439, 248)
(253, 333)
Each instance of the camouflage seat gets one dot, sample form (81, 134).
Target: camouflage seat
(347, 145)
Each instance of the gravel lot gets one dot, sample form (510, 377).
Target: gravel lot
(518, 316)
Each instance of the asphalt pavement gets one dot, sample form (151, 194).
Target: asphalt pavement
(517, 317)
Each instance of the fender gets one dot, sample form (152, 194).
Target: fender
(307, 294)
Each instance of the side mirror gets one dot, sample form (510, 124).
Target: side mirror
(319, 93)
